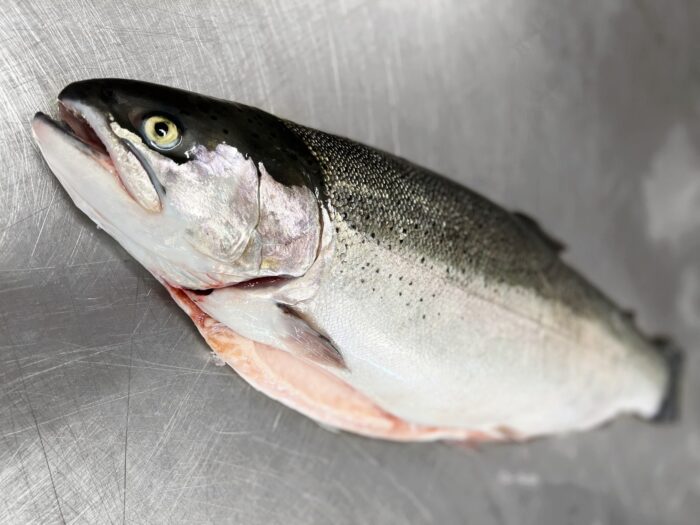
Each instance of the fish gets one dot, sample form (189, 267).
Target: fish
(355, 287)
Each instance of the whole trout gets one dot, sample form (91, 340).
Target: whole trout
(366, 292)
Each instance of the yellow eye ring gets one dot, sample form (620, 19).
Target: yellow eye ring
(161, 132)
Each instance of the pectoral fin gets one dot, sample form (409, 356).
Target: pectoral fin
(309, 342)
(258, 316)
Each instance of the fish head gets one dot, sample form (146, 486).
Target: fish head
(203, 192)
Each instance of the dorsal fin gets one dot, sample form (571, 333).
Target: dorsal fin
(533, 226)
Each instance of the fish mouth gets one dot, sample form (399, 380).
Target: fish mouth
(78, 133)
(77, 125)
(92, 136)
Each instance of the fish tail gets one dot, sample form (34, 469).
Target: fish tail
(672, 354)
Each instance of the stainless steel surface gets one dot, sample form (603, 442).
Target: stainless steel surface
(584, 114)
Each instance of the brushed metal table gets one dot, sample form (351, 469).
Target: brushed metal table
(583, 114)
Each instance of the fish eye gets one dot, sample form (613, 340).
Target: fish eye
(161, 132)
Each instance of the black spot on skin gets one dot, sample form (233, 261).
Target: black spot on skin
(202, 292)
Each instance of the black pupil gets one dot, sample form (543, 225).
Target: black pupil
(161, 128)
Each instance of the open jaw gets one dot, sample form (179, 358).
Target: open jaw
(91, 136)
(78, 133)
(81, 129)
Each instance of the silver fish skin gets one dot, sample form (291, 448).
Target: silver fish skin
(368, 293)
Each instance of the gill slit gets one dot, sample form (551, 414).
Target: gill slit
(259, 169)
(160, 190)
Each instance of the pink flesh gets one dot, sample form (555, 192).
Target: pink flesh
(308, 388)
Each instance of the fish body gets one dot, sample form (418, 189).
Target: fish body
(362, 290)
